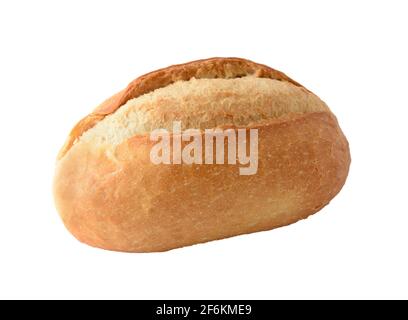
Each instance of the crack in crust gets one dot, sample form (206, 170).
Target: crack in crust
(208, 68)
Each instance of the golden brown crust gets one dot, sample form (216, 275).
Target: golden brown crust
(113, 197)
(207, 68)
(117, 199)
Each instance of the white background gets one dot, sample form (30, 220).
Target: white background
(59, 59)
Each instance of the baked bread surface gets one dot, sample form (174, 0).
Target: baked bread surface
(110, 195)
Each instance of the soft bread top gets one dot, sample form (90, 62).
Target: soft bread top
(203, 104)
(201, 94)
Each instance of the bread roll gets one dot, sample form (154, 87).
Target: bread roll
(111, 195)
